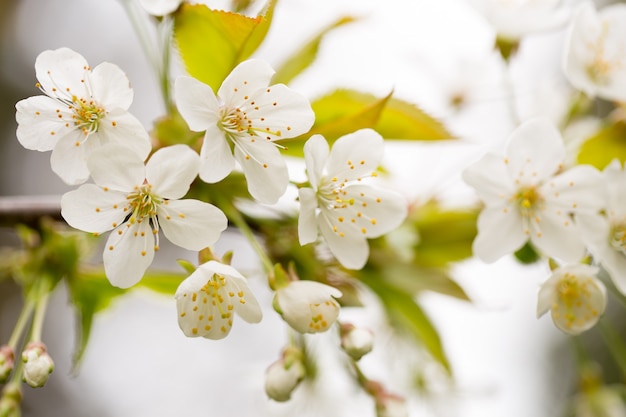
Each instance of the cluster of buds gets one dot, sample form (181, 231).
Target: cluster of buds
(283, 376)
(38, 365)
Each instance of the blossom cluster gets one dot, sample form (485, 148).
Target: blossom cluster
(83, 119)
(573, 215)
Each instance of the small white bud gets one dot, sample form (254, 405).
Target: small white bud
(38, 365)
(6, 362)
(284, 375)
(356, 341)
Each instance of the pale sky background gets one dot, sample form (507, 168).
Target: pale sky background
(139, 363)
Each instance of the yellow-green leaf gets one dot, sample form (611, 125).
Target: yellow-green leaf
(406, 121)
(305, 56)
(606, 145)
(213, 42)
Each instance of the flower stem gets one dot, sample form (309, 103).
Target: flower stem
(22, 322)
(38, 318)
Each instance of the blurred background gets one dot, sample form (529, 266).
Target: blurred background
(436, 54)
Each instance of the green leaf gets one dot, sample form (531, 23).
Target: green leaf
(213, 42)
(90, 292)
(444, 235)
(344, 111)
(172, 129)
(414, 280)
(606, 145)
(305, 56)
(405, 314)
(162, 282)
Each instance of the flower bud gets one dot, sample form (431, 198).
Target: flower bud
(10, 400)
(6, 362)
(38, 365)
(284, 375)
(356, 341)
(391, 406)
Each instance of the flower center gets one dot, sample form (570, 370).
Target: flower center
(87, 114)
(618, 237)
(600, 69)
(143, 203)
(235, 121)
(528, 200)
(577, 298)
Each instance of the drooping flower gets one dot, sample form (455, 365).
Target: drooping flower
(208, 299)
(160, 7)
(308, 306)
(594, 56)
(136, 201)
(514, 19)
(574, 296)
(82, 109)
(605, 234)
(347, 210)
(528, 197)
(250, 115)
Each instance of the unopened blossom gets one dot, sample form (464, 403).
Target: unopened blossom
(356, 341)
(340, 202)
(209, 298)
(605, 234)
(574, 296)
(529, 197)
(248, 115)
(595, 55)
(160, 7)
(514, 19)
(136, 202)
(38, 365)
(308, 306)
(81, 110)
(283, 376)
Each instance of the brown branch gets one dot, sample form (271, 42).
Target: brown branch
(28, 209)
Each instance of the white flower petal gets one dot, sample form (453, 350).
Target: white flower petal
(116, 167)
(37, 118)
(68, 160)
(535, 151)
(122, 128)
(350, 249)
(91, 209)
(244, 80)
(216, 157)
(491, 179)
(129, 251)
(546, 296)
(60, 72)
(171, 170)
(499, 233)
(381, 210)
(579, 189)
(246, 305)
(279, 112)
(265, 170)
(191, 224)
(196, 102)
(316, 152)
(558, 237)
(160, 7)
(307, 218)
(308, 306)
(355, 155)
(111, 87)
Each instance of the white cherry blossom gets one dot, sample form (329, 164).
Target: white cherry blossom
(208, 299)
(605, 234)
(574, 296)
(595, 54)
(308, 306)
(249, 115)
(528, 196)
(82, 109)
(514, 19)
(345, 208)
(136, 202)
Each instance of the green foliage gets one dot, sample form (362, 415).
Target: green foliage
(213, 42)
(406, 315)
(163, 282)
(344, 111)
(90, 292)
(172, 129)
(609, 143)
(527, 254)
(305, 56)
